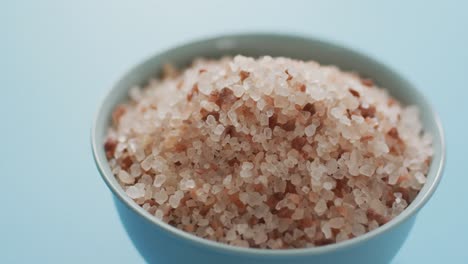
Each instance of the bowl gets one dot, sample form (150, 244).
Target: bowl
(159, 242)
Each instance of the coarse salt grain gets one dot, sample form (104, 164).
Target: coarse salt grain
(420, 177)
(136, 191)
(159, 180)
(125, 177)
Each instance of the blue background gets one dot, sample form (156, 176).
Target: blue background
(58, 58)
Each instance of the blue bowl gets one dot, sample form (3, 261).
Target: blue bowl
(159, 242)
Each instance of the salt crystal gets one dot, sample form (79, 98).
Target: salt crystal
(135, 170)
(393, 178)
(298, 214)
(245, 173)
(218, 130)
(146, 179)
(186, 184)
(125, 177)
(358, 229)
(420, 177)
(159, 180)
(377, 206)
(231, 235)
(160, 196)
(238, 90)
(260, 238)
(136, 191)
(326, 231)
(342, 236)
(310, 231)
(367, 169)
(216, 189)
(159, 214)
(328, 185)
(203, 222)
(247, 166)
(209, 231)
(296, 179)
(336, 112)
(320, 207)
(267, 133)
(227, 180)
(146, 163)
(174, 200)
(261, 104)
(373, 225)
(211, 121)
(242, 228)
(305, 189)
(336, 222)
(310, 130)
(243, 197)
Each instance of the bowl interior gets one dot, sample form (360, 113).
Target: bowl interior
(275, 45)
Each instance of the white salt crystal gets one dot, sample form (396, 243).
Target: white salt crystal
(393, 178)
(242, 228)
(310, 231)
(358, 229)
(261, 104)
(135, 170)
(389, 168)
(420, 177)
(211, 121)
(159, 163)
(320, 207)
(328, 186)
(373, 225)
(146, 179)
(310, 130)
(203, 222)
(247, 165)
(238, 90)
(216, 189)
(146, 163)
(336, 222)
(245, 173)
(125, 177)
(174, 200)
(160, 196)
(227, 180)
(231, 235)
(218, 130)
(305, 189)
(136, 191)
(260, 238)
(209, 231)
(377, 206)
(326, 231)
(342, 236)
(186, 184)
(296, 179)
(243, 197)
(267, 133)
(159, 214)
(298, 214)
(159, 180)
(336, 112)
(367, 169)
(380, 148)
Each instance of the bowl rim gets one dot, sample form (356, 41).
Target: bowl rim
(412, 209)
